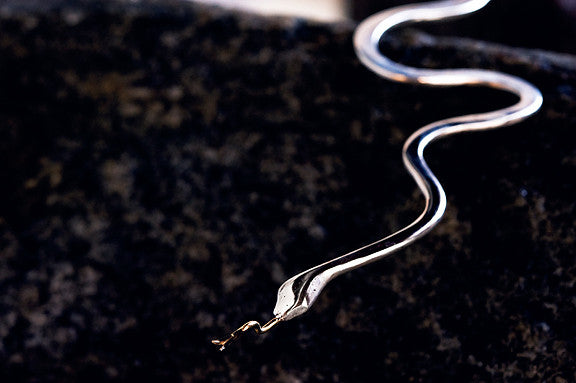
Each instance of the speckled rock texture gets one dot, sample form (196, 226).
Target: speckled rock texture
(166, 166)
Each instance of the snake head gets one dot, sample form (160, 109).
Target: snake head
(298, 293)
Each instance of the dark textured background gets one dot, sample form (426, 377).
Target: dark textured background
(165, 166)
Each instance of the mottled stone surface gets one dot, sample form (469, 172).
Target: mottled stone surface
(164, 167)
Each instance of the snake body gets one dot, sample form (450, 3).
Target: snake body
(298, 293)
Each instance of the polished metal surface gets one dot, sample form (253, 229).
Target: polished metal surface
(298, 293)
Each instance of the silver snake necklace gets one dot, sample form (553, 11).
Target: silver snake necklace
(298, 293)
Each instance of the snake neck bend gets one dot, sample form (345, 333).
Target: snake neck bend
(298, 293)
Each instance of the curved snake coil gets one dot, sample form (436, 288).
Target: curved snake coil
(298, 293)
